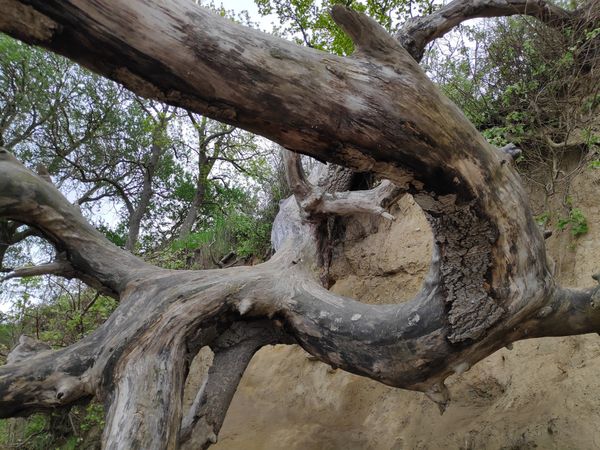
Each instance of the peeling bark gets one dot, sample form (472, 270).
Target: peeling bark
(488, 285)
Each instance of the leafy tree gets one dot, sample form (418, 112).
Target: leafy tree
(309, 23)
(521, 82)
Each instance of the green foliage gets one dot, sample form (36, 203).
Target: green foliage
(58, 320)
(521, 82)
(184, 187)
(77, 428)
(543, 219)
(309, 23)
(233, 219)
(33, 434)
(93, 417)
(242, 233)
(117, 235)
(251, 235)
(101, 140)
(498, 136)
(591, 139)
(576, 220)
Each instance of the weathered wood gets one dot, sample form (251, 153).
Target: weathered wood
(232, 350)
(26, 200)
(417, 32)
(316, 202)
(355, 111)
(135, 360)
(489, 282)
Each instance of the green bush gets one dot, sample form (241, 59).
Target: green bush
(576, 220)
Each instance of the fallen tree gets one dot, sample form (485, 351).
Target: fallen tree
(375, 111)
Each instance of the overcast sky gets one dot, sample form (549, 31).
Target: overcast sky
(250, 6)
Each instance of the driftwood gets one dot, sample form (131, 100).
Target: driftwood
(376, 111)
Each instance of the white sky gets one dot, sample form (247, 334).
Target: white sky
(240, 5)
(249, 5)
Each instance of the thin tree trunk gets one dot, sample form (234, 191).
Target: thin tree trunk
(204, 168)
(141, 208)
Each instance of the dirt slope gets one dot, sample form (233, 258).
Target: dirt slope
(544, 393)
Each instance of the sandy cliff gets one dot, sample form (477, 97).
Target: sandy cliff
(543, 393)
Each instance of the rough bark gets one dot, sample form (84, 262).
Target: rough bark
(233, 350)
(315, 202)
(489, 282)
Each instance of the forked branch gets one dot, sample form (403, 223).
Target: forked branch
(135, 361)
(376, 111)
(31, 200)
(316, 202)
(233, 351)
(60, 267)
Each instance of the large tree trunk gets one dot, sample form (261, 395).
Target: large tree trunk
(489, 282)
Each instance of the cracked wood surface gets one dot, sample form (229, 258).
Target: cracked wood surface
(376, 111)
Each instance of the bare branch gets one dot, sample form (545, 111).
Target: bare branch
(295, 176)
(376, 111)
(420, 31)
(228, 131)
(103, 179)
(26, 198)
(26, 348)
(59, 267)
(63, 268)
(314, 201)
(233, 350)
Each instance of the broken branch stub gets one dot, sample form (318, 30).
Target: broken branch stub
(317, 201)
